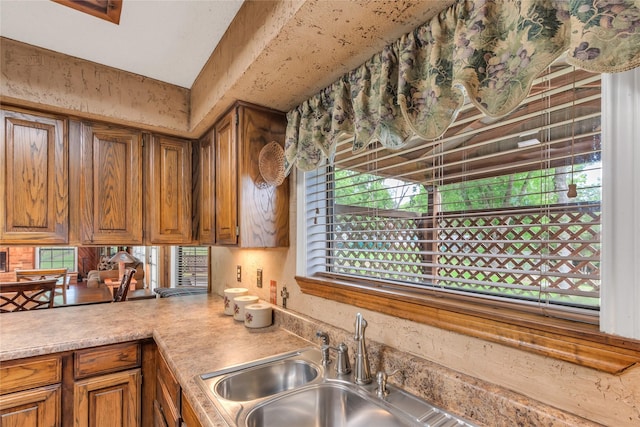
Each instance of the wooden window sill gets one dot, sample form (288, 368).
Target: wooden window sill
(571, 341)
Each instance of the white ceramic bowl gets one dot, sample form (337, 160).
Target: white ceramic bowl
(239, 303)
(258, 315)
(229, 295)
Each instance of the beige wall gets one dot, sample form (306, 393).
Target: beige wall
(597, 396)
(42, 79)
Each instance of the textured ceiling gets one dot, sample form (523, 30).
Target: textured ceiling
(166, 40)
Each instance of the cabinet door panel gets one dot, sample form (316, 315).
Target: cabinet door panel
(170, 191)
(109, 400)
(34, 204)
(37, 407)
(158, 415)
(264, 211)
(111, 185)
(189, 417)
(206, 203)
(226, 181)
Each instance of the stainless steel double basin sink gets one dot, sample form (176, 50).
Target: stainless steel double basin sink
(295, 389)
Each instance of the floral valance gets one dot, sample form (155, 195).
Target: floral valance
(488, 50)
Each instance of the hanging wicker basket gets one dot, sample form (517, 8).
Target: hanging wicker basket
(271, 165)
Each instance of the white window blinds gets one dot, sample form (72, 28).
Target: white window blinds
(487, 210)
(192, 265)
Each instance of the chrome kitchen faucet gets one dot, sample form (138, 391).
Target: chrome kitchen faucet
(362, 371)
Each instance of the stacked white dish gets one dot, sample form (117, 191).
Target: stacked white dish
(259, 315)
(229, 295)
(239, 304)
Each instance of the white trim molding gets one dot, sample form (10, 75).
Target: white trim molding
(620, 274)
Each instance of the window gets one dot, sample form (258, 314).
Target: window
(192, 265)
(486, 211)
(143, 253)
(152, 266)
(57, 258)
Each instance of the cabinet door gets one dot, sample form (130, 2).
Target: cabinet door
(169, 191)
(34, 179)
(108, 400)
(226, 180)
(264, 211)
(167, 393)
(36, 407)
(111, 185)
(158, 415)
(206, 199)
(189, 417)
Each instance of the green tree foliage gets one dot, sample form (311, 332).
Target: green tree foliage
(532, 188)
(356, 189)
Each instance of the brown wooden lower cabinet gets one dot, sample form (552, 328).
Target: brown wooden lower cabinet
(189, 417)
(158, 415)
(99, 386)
(167, 399)
(30, 391)
(36, 407)
(108, 400)
(107, 386)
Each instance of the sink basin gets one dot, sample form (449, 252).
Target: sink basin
(296, 389)
(324, 405)
(266, 380)
(238, 387)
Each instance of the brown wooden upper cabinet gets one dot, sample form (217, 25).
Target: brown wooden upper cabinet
(110, 182)
(33, 179)
(248, 214)
(168, 191)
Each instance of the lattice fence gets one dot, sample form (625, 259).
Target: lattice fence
(558, 251)
(517, 252)
(383, 244)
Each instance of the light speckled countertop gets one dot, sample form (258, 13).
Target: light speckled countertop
(195, 337)
(191, 332)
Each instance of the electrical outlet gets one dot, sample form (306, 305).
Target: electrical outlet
(238, 273)
(259, 278)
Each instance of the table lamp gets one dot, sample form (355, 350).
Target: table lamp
(121, 258)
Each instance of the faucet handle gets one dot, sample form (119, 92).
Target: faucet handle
(381, 378)
(342, 363)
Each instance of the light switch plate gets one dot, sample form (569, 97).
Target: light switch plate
(259, 278)
(238, 273)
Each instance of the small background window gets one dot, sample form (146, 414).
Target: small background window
(192, 265)
(57, 258)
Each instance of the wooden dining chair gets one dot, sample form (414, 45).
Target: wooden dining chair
(22, 296)
(60, 274)
(123, 289)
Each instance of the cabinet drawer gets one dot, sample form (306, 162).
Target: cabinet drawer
(30, 373)
(101, 360)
